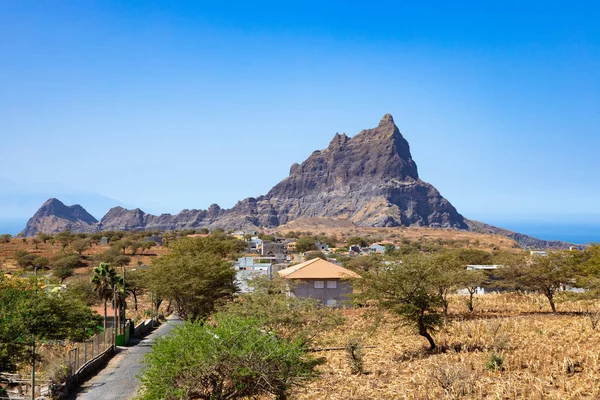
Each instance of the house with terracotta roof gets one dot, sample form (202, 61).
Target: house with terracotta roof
(322, 280)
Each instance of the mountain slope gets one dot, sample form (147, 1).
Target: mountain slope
(368, 180)
(55, 217)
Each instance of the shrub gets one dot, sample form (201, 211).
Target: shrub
(494, 362)
(354, 351)
(232, 359)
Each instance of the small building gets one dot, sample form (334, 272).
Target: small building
(274, 250)
(103, 241)
(377, 248)
(322, 280)
(247, 268)
(156, 239)
(321, 246)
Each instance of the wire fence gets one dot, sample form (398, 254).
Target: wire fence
(82, 352)
(76, 355)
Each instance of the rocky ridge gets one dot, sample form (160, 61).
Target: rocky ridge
(369, 179)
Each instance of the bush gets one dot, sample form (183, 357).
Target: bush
(354, 351)
(494, 362)
(83, 290)
(232, 359)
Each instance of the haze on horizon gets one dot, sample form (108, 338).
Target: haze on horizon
(172, 105)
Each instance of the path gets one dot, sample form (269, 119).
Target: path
(118, 381)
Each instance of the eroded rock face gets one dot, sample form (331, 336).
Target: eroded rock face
(54, 217)
(370, 179)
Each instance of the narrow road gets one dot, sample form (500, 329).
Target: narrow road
(119, 381)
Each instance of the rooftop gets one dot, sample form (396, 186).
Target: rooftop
(317, 268)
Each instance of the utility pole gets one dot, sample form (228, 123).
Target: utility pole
(115, 326)
(123, 305)
(33, 346)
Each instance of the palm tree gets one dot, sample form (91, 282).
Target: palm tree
(104, 279)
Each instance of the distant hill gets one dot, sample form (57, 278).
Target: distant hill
(368, 180)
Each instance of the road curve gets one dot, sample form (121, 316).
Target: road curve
(119, 380)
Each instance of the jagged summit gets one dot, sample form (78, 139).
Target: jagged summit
(55, 216)
(369, 179)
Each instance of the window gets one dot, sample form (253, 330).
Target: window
(319, 284)
(331, 303)
(331, 284)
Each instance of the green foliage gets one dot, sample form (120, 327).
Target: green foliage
(314, 254)
(83, 290)
(354, 353)
(26, 311)
(543, 274)
(40, 262)
(24, 258)
(358, 241)
(44, 237)
(5, 238)
(81, 245)
(217, 243)
(408, 289)
(305, 244)
(290, 317)
(64, 238)
(232, 359)
(372, 263)
(494, 362)
(195, 275)
(114, 257)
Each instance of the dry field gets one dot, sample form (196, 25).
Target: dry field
(343, 229)
(544, 356)
(8, 250)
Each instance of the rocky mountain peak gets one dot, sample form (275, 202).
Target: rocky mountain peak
(54, 216)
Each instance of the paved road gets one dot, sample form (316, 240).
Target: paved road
(118, 381)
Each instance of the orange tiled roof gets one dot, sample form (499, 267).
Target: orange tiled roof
(317, 268)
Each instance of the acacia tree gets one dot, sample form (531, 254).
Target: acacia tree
(544, 274)
(449, 270)
(406, 288)
(195, 275)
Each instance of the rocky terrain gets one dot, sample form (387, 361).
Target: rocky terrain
(55, 217)
(369, 180)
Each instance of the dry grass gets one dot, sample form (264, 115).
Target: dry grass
(343, 228)
(544, 356)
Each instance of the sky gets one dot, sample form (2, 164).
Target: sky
(167, 105)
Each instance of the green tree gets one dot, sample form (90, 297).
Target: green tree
(408, 290)
(40, 262)
(44, 237)
(104, 279)
(24, 258)
(305, 244)
(195, 282)
(81, 245)
(64, 238)
(28, 313)
(358, 241)
(83, 290)
(314, 254)
(113, 256)
(544, 274)
(234, 358)
(5, 238)
(290, 317)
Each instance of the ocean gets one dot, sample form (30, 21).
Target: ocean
(578, 233)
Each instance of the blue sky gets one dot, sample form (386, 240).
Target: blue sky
(172, 105)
